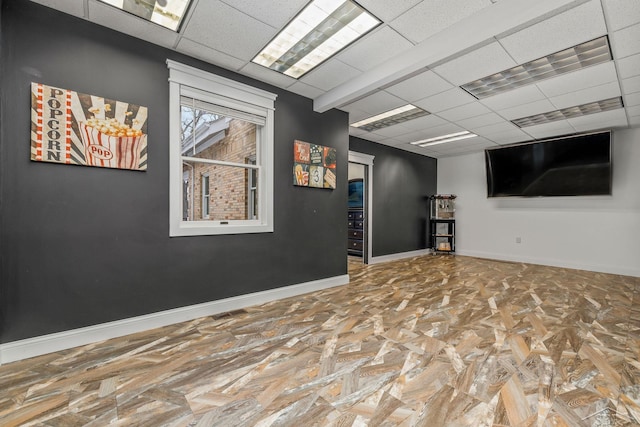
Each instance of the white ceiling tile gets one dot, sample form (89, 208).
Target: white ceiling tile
(575, 26)
(357, 132)
(476, 64)
(378, 102)
(634, 121)
(108, 16)
(591, 94)
(432, 132)
(330, 74)
(480, 121)
(420, 86)
(625, 42)
(388, 10)
(545, 130)
(226, 29)
(424, 122)
(513, 98)
(191, 48)
(432, 16)
(529, 109)
(605, 120)
(75, 8)
(631, 85)
(267, 75)
(356, 115)
(464, 112)
(621, 13)
(305, 90)
(497, 128)
(510, 137)
(374, 49)
(587, 77)
(445, 100)
(632, 99)
(633, 111)
(276, 13)
(629, 66)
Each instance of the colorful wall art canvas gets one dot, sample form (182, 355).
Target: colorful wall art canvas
(314, 165)
(78, 129)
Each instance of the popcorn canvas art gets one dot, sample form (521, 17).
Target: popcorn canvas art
(78, 129)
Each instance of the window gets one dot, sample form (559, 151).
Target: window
(205, 196)
(221, 155)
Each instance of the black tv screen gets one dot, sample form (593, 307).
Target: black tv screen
(570, 166)
(356, 193)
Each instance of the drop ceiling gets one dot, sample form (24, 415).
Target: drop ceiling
(422, 54)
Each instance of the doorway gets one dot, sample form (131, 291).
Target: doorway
(359, 220)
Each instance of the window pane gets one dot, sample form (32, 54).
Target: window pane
(207, 135)
(232, 193)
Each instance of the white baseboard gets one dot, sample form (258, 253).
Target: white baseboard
(30, 347)
(635, 272)
(401, 255)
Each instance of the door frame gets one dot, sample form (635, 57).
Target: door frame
(367, 160)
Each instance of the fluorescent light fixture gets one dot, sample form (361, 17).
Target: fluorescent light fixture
(583, 55)
(168, 13)
(444, 138)
(570, 112)
(323, 28)
(390, 118)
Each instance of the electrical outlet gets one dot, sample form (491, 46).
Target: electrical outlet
(518, 240)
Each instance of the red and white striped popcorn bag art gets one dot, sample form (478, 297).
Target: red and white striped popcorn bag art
(80, 129)
(110, 144)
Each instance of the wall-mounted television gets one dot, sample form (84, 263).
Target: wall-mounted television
(578, 165)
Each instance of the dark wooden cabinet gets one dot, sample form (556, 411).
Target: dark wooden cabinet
(355, 231)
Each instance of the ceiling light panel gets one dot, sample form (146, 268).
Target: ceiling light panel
(457, 136)
(322, 29)
(586, 54)
(571, 112)
(168, 13)
(390, 118)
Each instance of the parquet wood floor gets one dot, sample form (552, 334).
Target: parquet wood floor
(430, 341)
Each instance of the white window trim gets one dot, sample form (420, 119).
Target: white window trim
(231, 94)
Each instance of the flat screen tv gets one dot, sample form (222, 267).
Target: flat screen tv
(356, 193)
(577, 165)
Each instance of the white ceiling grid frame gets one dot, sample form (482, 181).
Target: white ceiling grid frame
(217, 25)
(621, 13)
(465, 111)
(432, 16)
(330, 74)
(377, 103)
(545, 130)
(374, 49)
(514, 98)
(479, 63)
(528, 109)
(387, 10)
(421, 86)
(572, 27)
(595, 75)
(497, 19)
(275, 13)
(629, 66)
(445, 100)
(205, 53)
(585, 96)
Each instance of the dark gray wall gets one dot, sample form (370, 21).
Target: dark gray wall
(82, 246)
(402, 183)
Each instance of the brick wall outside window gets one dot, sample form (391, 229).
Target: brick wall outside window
(228, 186)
